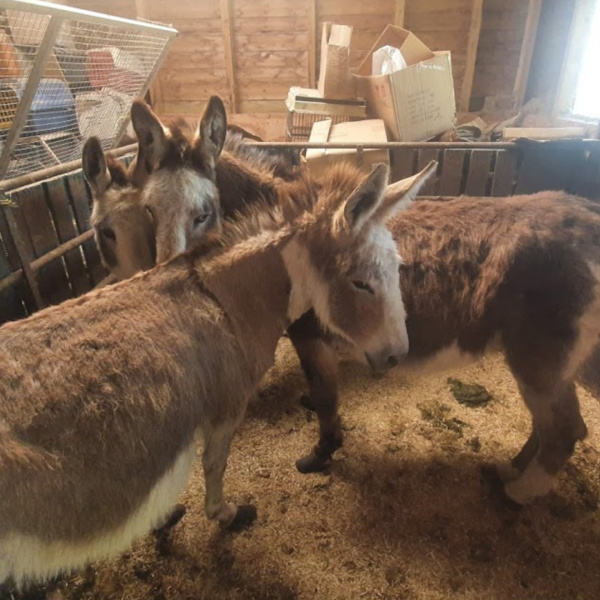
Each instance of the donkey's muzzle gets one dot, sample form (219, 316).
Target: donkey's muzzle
(386, 359)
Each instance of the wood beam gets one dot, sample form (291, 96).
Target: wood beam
(399, 13)
(529, 36)
(227, 26)
(472, 44)
(312, 43)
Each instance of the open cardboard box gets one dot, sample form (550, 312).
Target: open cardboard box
(319, 160)
(416, 103)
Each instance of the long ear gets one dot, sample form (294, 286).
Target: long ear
(212, 130)
(399, 195)
(94, 166)
(152, 139)
(365, 199)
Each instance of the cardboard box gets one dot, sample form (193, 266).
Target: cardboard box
(319, 160)
(335, 80)
(416, 103)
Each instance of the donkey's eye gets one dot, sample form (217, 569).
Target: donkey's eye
(108, 233)
(200, 219)
(364, 287)
(150, 212)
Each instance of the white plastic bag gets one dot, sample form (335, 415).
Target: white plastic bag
(387, 59)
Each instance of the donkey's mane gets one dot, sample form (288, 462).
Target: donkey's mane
(262, 217)
(183, 131)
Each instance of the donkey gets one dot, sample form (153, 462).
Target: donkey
(182, 183)
(513, 273)
(518, 274)
(101, 398)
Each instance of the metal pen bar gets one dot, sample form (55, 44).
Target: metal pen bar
(68, 12)
(61, 250)
(50, 173)
(398, 145)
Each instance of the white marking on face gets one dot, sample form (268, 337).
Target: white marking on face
(384, 257)
(176, 199)
(309, 290)
(27, 558)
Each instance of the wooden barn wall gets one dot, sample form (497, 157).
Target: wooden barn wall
(251, 51)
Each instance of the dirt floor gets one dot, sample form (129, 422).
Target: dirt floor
(407, 512)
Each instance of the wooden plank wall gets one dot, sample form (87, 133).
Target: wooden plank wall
(502, 33)
(251, 51)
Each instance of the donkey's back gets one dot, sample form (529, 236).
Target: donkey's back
(101, 399)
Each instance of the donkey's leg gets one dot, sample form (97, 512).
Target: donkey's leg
(214, 462)
(319, 363)
(513, 468)
(558, 426)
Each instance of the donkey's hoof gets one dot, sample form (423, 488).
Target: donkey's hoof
(176, 515)
(506, 471)
(307, 402)
(244, 517)
(313, 463)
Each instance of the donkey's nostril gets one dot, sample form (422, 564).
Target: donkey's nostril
(392, 360)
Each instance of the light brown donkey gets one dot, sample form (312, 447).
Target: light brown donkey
(102, 397)
(185, 179)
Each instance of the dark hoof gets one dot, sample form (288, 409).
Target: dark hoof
(494, 488)
(312, 463)
(244, 517)
(307, 402)
(176, 515)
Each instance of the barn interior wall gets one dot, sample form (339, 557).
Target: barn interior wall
(251, 51)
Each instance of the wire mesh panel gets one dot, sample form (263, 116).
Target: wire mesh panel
(67, 74)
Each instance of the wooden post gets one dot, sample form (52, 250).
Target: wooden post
(24, 258)
(531, 25)
(312, 43)
(227, 27)
(472, 43)
(399, 13)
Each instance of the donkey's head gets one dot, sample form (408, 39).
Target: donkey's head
(180, 191)
(123, 229)
(348, 262)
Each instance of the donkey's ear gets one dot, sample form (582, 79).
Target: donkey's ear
(94, 166)
(400, 195)
(212, 129)
(152, 139)
(360, 207)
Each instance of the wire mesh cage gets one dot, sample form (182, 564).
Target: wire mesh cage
(67, 74)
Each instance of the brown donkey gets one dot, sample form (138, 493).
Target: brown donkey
(518, 274)
(102, 397)
(184, 181)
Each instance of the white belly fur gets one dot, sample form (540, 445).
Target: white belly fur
(450, 357)
(28, 559)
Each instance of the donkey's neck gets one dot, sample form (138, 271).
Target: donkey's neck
(252, 287)
(307, 289)
(240, 184)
